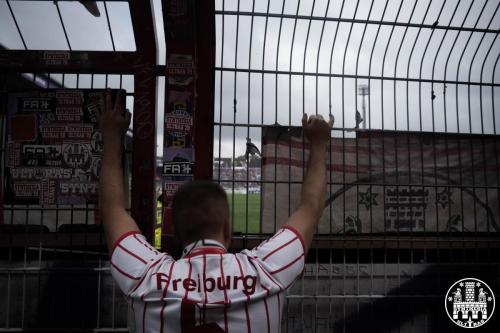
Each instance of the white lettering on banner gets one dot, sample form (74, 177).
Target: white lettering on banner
(177, 168)
(42, 151)
(40, 173)
(178, 123)
(36, 104)
(78, 188)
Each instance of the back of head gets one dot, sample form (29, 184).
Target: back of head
(199, 210)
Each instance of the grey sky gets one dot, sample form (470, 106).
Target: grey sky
(312, 51)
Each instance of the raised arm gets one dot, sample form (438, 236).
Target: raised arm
(306, 218)
(113, 122)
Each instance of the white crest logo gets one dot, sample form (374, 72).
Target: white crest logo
(470, 303)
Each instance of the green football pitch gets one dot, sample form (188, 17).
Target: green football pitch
(240, 221)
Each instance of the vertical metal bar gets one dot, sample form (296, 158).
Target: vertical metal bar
(471, 146)
(470, 126)
(370, 63)
(344, 153)
(290, 137)
(494, 122)
(235, 101)
(143, 203)
(205, 87)
(370, 136)
(248, 118)
(484, 160)
(303, 158)
(290, 109)
(320, 44)
(262, 95)
(329, 154)
(488, 181)
(330, 103)
(330, 191)
(220, 103)
(113, 297)
(458, 127)
(98, 296)
(445, 116)
(396, 145)
(276, 99)
(23, 297)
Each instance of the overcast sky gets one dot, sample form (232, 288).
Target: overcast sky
(321, 46)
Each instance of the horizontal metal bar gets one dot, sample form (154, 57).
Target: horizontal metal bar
(92, 62)
(25, 270)
(351, 20)
(367, 132)
(65, 0)
(382, 245)
(339, 242)
(52, 239)
(8, 207)
(76, 330)
(409, 237)
(454, 240)
(360, 296)
(354, 76)
(47, 249)
(400, 184)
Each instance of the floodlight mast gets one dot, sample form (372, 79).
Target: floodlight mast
(363, 91)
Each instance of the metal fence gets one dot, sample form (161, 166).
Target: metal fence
(54, 267)
(413, 86)
(402, 78)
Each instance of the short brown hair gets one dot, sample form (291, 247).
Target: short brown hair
(199, 209)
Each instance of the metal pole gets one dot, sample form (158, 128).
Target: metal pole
(363, 91)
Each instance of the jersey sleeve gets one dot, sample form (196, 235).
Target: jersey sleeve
(131, 260)
(282, 256)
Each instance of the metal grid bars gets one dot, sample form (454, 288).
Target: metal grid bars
(413, 173)
(54, 273)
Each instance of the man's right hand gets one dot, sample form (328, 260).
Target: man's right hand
(306, 218)
(316, 129)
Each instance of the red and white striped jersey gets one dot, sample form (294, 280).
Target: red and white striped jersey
(208, 290)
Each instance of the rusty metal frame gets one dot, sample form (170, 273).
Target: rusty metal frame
(144, 144)
(205, 46)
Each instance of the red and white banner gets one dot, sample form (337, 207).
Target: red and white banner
(388, 181)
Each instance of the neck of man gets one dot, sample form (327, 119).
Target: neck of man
(204, 244)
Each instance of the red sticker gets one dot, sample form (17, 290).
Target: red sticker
(23, 127)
